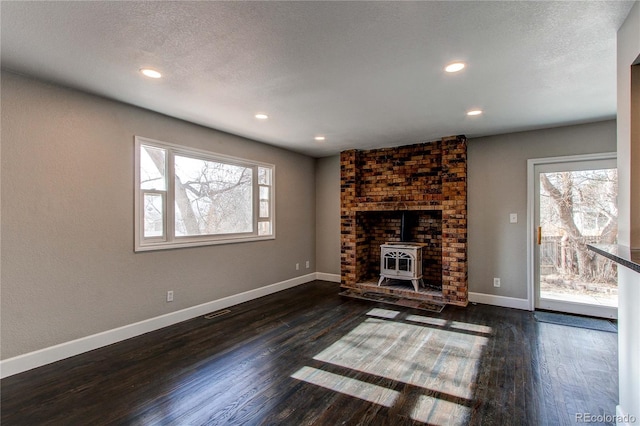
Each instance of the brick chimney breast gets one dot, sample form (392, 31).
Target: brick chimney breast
(428, 179)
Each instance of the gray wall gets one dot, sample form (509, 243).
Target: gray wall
(68, 266)
(628, 52)
(497, 173)
(328, 215)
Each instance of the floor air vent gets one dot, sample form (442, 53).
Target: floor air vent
(213, 315)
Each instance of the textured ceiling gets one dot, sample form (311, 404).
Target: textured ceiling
(364, 74)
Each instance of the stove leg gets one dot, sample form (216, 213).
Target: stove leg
(380, 281)
(415, 284)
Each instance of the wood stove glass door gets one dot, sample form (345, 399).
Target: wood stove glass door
(398, 263)
(389, 262)
(405, 265)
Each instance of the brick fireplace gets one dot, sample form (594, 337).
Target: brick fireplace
(428, 183)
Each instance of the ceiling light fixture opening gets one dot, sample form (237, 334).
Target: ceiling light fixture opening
(261, 116)
(320, 138)
(454, 67)
(474, 112)
(151, 73)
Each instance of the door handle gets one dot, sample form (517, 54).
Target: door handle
(539, 235)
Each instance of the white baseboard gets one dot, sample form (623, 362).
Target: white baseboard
(335, 278)
(505, 302)
(28, 361)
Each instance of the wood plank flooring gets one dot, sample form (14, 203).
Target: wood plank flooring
(306, 356)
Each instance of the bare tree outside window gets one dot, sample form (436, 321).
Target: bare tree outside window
(212, 198)
(578, 208)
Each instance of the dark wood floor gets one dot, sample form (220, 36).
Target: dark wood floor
(308, 356)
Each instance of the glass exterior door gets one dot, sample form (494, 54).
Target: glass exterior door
(575, 206)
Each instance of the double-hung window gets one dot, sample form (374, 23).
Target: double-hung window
(187, 197)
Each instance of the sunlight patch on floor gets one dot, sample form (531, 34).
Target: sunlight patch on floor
(475, 328)
(436, 411)
(427, 357)
(383, 313)
(356, 388)
(438, 357)
(439, 322)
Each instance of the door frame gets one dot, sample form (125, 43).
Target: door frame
(531, 229)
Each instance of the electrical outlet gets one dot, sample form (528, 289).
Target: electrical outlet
(513, 218)
(496, 282)
(297, 266)
(307, 264)
(170, 296)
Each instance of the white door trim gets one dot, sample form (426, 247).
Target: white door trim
(531, 163)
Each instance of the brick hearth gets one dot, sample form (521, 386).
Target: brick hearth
(430, 181)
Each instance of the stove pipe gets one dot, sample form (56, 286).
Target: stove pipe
(406, 223)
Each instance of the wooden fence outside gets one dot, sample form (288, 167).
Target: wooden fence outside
(559, 256)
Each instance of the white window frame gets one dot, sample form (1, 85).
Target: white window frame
(169, 240)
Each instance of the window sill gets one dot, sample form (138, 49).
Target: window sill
(200, 243)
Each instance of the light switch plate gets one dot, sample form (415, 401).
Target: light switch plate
(513, 218)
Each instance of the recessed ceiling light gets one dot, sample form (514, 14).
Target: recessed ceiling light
(454, 67)
(261, 116)
(151, 73)
(474, 112)
(319, 138)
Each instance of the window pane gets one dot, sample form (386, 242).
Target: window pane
(152, 168)
(264, 209)
(212, 197)
(264, 176)
(264, 202)
(264, 228)
(264, 193)
(153, 214)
